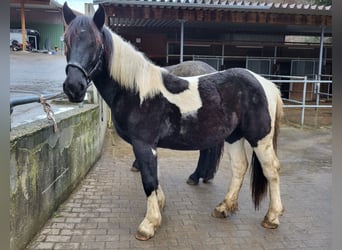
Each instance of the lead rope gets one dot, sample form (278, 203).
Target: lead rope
(49, 113)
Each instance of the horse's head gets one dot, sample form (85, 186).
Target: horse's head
(83, 49)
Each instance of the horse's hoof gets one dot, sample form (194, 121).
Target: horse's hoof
(134, 169)
(217, 214)
(142, 237)
(207, 180)
(269, 225)
(192, 182)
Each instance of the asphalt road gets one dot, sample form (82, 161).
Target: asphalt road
(35, 74)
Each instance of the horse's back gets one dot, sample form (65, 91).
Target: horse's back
(190, 68)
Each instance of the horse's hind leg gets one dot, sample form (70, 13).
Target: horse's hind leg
(202, 164)
(270, 168)
(207, 165)
(238, 162)
(146, 156)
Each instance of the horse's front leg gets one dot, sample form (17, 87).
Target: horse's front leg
(146, 156)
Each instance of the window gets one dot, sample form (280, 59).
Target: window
(304, 68)
(259, 66)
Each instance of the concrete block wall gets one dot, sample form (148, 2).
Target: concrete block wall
(47, 166)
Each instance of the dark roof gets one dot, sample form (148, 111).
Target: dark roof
(242, 16)
(226, 5)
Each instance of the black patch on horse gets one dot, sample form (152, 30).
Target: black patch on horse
(174, 84)
(255, 120)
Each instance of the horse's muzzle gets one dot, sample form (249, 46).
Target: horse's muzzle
(75, 91)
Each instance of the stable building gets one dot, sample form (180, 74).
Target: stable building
(43, 17)
(268, 38)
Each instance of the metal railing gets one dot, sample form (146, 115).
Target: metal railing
(303, 102)
(38, 99)
(17, 101)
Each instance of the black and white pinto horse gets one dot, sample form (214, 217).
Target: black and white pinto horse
(153, 108)
(209, 159)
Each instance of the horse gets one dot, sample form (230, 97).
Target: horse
(190, 68)
(152, 108)
(209, 159)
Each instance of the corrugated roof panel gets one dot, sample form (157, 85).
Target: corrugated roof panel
(226, 4)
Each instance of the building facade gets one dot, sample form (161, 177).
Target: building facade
(269, 38)
(43, 16)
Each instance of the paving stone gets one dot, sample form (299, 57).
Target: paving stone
(42, 245)
(66, 246)
(57, 238)
(105, 211)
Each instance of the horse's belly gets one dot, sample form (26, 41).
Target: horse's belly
(195, 139)
(180, 144)
(204, 130)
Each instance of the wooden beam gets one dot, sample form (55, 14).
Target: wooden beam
(41, 2)
(23, 25)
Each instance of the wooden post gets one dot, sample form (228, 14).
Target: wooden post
(23, 25)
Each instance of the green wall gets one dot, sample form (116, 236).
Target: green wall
(47, 31)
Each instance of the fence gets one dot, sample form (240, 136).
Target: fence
(301, 92)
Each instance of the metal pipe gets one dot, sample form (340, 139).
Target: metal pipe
(306, 106)
(318, 84)
(303, 101)
(24, 100)
(30, 99)
(181, 41)
(222, 60)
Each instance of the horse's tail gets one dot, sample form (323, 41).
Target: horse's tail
(259, 182)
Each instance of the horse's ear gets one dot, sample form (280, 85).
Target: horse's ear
(68, 14)
(99, 17)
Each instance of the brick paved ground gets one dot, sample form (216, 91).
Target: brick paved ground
(110, 203)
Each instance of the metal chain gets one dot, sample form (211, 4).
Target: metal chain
(49, 113)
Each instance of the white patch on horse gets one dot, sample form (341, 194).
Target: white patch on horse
(154, 152)
(133, 71)
(161, 198)
(188, 101)
(153, 217)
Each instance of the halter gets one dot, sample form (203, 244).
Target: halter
(87, 75)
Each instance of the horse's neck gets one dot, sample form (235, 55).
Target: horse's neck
(107, 87)
(133, 71)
